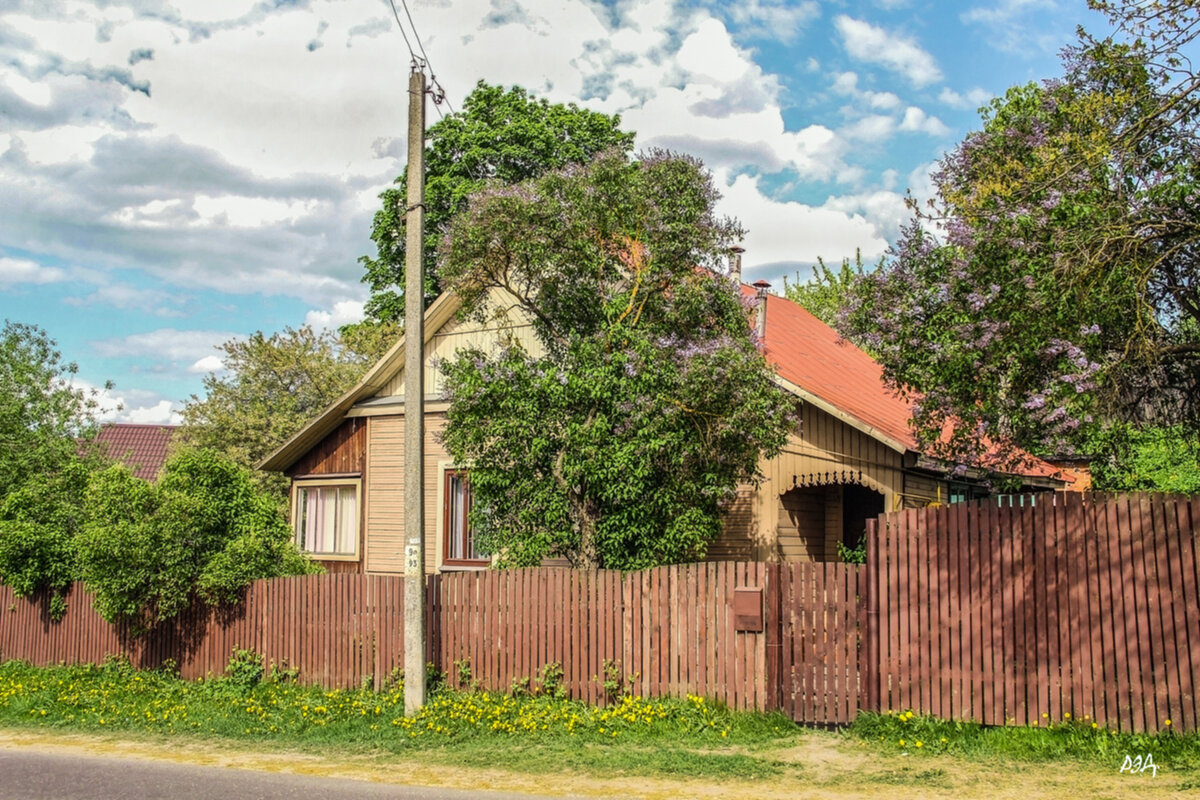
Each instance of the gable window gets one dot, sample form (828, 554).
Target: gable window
(458, 542)
(325, 518)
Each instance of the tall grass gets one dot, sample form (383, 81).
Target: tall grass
(1056, 740)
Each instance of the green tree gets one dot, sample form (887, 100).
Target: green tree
(146, 550)
(44, 467)
(619, 442)
(41, 413)
(273, 385)
(1053, 287)
(826, 294)
(1159, 459)
(500, 135)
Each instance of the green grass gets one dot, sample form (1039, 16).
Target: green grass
(1078, 740)
(632, 736)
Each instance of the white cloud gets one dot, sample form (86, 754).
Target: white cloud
(14, 271)
(206, 365)
(132, 298)
(872, 128)
(788, 232)
(136, 406)
(342, 313)
(847, 83)
(973, 98)
(916, 120)
(164, 344)
(768, 19)
(901, 54)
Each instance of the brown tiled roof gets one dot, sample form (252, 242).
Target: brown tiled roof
(143, 448)
(810, 354)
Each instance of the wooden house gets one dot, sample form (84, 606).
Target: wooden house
(851, 457)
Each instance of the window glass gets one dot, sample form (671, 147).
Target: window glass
(459, 544)
(327, 519)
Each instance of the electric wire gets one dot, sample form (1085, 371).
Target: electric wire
(400, 24)
(438, 92)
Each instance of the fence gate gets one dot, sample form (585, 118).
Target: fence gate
(823, 609)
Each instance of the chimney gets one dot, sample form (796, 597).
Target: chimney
(735, 262)
(761, 311)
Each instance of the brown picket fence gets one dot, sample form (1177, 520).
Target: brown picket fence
(1066, 605)
(1072, 606)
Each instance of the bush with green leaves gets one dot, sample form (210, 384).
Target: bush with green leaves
(204, 530)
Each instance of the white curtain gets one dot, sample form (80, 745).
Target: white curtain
(330, 519)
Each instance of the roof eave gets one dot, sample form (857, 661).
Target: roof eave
(839, 414)
(440, 312)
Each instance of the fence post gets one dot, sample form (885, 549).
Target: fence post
(773, 630)
(869, 632)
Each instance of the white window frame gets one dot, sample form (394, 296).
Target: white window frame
(317, 482)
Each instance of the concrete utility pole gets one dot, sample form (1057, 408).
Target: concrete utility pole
(414, 401)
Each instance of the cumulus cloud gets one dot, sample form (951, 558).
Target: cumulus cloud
(767, 19)
(206, 365)
(917, 121)
(972, 98)
(164, 344)
(137, 406)
(898, 53)
(345, 312)
(14, 271)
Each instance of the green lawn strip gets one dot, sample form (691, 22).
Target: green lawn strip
(632, 736)
(1075, 739)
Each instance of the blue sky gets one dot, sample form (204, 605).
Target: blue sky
(175, 173)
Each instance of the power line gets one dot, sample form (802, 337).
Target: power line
(438, 92)
(400, 24)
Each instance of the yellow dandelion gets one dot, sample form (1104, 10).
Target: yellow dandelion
(1067, 715)
(1166, 722)
(918, 744)
(902, 743)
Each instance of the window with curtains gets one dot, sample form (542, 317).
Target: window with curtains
(458, 544)
(326, 518)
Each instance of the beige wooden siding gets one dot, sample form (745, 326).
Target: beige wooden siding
(921, 491)
(385, 493)
(824, 452)
(736, 541)
(459, 334)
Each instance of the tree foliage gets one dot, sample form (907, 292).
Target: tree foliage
(41, 413)
(44, 464)
(273, 385)
(500, 135)
(827, 292)
(647, 401)
(1053, 285)
(1157, 459)
(146, 550)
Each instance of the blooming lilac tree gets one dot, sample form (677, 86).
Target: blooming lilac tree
(1053, 286)
(618, 444)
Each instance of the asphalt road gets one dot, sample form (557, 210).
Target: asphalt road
(30, 775)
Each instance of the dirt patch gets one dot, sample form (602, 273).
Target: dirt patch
(821, 766)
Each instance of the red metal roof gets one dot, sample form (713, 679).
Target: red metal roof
(809, 353)
(143, 448)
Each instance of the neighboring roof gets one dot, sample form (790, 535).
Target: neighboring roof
(836, 376)
(143, 448)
